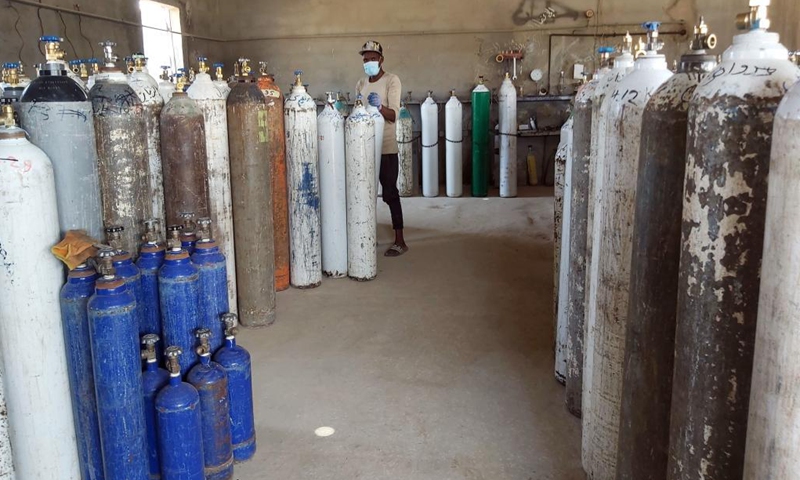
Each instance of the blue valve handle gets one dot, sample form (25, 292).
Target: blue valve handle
(218, 65)
(651, 26)
(605, 50)
(298, 72)
(11, 65)
(202, 59)
(50, 38)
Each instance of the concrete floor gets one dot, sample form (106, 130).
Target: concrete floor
(441, 368)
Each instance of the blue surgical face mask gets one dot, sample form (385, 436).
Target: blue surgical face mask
(372, 68)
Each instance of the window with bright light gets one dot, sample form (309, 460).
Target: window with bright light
(161, 34)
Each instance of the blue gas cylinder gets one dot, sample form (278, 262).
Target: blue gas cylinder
(74, 300)
(236, 362)
(114, 334)
(127, 270)
(151, 257)
(188, 235)
(211, 382)
(179, 294)
(213, 282)
(153, 380)
(180, 443)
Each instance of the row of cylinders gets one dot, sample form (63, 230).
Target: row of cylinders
(676, 308)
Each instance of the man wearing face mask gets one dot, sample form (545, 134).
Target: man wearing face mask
(382, 91)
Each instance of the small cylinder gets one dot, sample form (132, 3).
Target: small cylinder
(153, 380)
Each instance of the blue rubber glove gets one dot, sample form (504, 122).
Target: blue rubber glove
(375, 100)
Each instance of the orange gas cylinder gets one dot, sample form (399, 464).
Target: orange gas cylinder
(276, 147)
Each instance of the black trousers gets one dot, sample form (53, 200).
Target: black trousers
(391, 196)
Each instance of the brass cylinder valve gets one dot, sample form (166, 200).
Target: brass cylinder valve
(757, 18)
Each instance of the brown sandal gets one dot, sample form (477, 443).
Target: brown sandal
(396, 251)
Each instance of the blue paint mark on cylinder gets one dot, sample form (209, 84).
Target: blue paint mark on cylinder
(74, 300)
(211, 382)
(309, 190)
(151, 257)
(179, 428)
(213, 288)
(114, 333)
(236, 362)
(179, 294)
(153, 380)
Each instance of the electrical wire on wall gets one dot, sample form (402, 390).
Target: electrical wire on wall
(66, 35)
(80, 29)
(16, 28)
(41, 29)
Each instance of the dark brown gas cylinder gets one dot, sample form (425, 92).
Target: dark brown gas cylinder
(251, 194)
(183, 158)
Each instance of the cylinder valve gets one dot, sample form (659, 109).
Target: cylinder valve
(218, 71)
(109, 57)
(244, 67)
(702, 39)
(172, 354)
(202, 64)
(105, 263)
(165, 73)
(149, 352)
(139, 61)
(204, 337)
(756, 18)
(174, 239)
(52, 48)
(152, 230)
(114, 237)
(204, 229)
(230, 320)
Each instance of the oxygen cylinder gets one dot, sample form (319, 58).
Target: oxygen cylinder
(362, 222)
(56, 112)
(188, 234)
(481, 99)
(341, 105)
(146, 88)
(380, 124)
(724, 210)
(74, 300)
(6, 459)
(579, 204)
(178, 418)
(276, 149)
(184, 157)
(430, 147)
(211, 382)
(303, 180)
(507, 105)
(236, 362)
(562, 218)
(613, 233)
(773, 426)
(179, 295)
(153, 380)
(333, 205)
(127, 271)
(151, 257)
(623, 64)
(251, 193)
(212, 103)
(114, 334)
(405, 152)
(212, 267)
(29, 291)
(219, 81)
(165, 86)
(454, 136)
(650, 335)
(121, 139)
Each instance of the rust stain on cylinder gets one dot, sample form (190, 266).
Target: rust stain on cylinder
(251, 195)
(276, 151)
(650, 337)
(722, 241)
(183, 159)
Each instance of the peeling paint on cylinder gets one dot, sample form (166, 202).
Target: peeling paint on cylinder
(561, 215)
(579, 203)
(405, 152)
(623, 64)
(333, 195)
(146, 88)
(6, 457)
(303, 181)
(184, 158)
(507, 106)
(212, 103)
(612, 229)
(276, 150)
(724, 207)
(650, 334)
(774, 421)
(362, 227)
(251, 194)
(121, 140)
(65, 130)
(32, 347)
